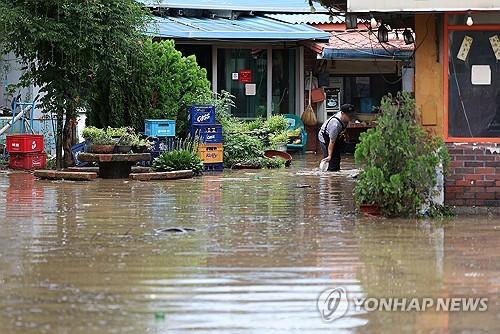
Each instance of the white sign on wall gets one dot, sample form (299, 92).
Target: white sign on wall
(420, 5)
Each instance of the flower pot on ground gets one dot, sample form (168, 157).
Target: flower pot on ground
(398, 160)
(279, 141)
(370, 209)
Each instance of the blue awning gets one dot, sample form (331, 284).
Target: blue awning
(360, 54)
(272, 6)
(243, 28)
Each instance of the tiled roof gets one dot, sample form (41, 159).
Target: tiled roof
(361, 44)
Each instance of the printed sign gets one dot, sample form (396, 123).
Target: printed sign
(495, 45)
(250, 89)
(465, 48)
(235, 76)
(481, 75)
(245, 76)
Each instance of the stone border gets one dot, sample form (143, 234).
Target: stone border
(65, 175)
(181, 174)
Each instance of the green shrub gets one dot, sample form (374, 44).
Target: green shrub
(178, 160)
(241, 148)
(278, 138)
(276, 124)
(398, 160)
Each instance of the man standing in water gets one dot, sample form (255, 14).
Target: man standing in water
(331, 136)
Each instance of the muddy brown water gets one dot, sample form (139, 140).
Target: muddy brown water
(80, 257)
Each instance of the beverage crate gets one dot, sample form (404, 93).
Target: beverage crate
(208, 133)
(211, 153)
(164, 144)
(159, 128)
(201, 114)
(218, 167)
(28, 161)
(24, 143)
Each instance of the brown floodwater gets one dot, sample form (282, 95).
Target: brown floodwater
(89, 257)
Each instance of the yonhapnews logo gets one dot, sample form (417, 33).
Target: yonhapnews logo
(334, 304)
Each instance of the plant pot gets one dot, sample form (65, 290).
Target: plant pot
(279, 154)
(281, 147)
(140, 149)
(370, 210)
(122, 149)
(101, 149)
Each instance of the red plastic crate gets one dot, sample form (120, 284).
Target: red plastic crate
(24, 143)
(28, 161)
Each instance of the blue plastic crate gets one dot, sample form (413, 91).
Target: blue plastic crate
(208, 133)
(201, 114)
(75, 152)
(214, 167)
(159, 128)
(163, 144)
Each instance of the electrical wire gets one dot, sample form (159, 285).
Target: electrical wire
(460, 96)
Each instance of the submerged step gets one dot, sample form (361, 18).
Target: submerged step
(65, 175)
(181, 174)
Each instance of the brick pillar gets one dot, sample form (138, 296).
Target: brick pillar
(474, 175)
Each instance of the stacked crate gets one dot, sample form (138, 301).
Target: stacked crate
(163, 133)
(26, 151)
(201, 120)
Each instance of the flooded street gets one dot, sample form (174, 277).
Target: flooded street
(91, 257)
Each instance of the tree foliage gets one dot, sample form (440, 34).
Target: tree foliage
(67, 45)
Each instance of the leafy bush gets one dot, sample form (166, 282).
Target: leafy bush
(241, 148)
(176, 82)
(278, 138)
(276, 124)
(178, 160)
(398, 160)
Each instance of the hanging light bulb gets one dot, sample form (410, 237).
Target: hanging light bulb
(469, 21)
(383, 34)
(311, 6)
(408, 37)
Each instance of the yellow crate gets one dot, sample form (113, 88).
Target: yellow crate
(211, 153)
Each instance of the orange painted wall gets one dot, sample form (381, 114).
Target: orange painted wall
(429, 74)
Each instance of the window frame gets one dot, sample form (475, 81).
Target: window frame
(446, 63)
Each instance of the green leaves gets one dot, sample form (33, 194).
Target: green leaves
(178, 160)
(399, 160)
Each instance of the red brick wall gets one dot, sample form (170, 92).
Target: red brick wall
(474, 175)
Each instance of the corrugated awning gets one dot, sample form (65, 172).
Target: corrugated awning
(271, 6)
(361, 45)
(244, 28)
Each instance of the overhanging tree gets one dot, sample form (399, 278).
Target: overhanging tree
(68, 44)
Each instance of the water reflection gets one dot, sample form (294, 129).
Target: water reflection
(84, 258)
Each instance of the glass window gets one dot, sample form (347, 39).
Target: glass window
(283, 81)
(243, 73)
(474, 85)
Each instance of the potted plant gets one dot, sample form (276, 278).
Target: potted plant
(117, 133)
(398, 161)
(279, 141)
(125, 143)
(102, 143)
(142, 145)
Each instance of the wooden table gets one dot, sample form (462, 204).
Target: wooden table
(114, 166)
